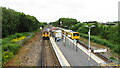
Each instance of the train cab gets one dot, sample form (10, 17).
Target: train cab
(74, 35)
(45, 34)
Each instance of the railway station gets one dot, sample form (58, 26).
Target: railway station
(59, 47)
(70, 52)
(60, 34)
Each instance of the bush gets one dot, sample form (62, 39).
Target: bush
(0, 41)
(6, 40)
(9, 50)
(98, 40)
(33, 35)
(95, 39)
(18, 39)
(36, 31)
(11, 47)
(6, 55)
(17, 35)
(117, 49)
(112, 58)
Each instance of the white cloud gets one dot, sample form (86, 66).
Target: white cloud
(52, 10)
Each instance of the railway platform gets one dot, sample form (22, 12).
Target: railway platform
(68, 56)
(78, 58)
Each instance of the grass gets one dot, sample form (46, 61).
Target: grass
(0, 55)
(0, 52)
(104, 42)
(98, 46)
(92, 43)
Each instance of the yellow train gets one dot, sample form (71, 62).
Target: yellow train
(45, 34)
(63, 31)
(71, 34)
(74, 35)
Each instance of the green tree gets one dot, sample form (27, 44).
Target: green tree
(13, 22)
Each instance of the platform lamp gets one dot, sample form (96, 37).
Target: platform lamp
(61, 24)
(89, 39)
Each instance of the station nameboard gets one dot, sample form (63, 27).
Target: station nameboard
(100, 50)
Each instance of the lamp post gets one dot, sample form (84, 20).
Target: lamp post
(40, 27)
(65, 26)
(89, 40)
(72, 27)
(60, 23)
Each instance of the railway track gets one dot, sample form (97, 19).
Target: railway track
(56, 63)
(97, 54)
(48, 56)
(42, 54)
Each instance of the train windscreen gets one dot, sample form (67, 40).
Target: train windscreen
(46, 33)
(75, 34)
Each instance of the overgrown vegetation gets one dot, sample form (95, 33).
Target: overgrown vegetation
(10, 45)
(16, 27)
(15, 36)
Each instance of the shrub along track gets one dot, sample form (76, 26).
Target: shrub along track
(35, 52)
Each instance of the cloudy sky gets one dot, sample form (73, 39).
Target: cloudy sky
(52, 10)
